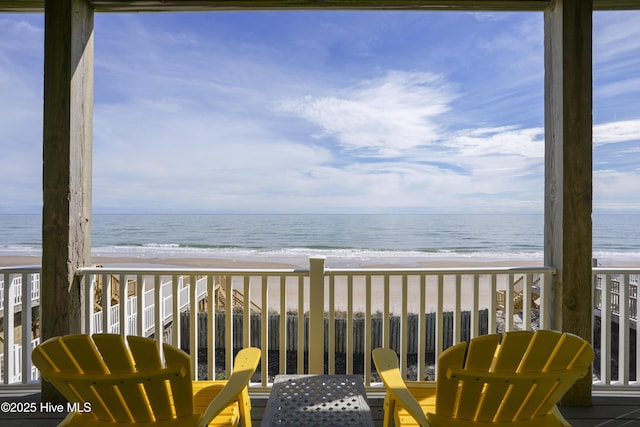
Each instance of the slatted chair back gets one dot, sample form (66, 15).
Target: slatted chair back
(121, 384)
(515, 379)
(518, 377)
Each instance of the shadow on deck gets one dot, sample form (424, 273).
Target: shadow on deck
(607, 411)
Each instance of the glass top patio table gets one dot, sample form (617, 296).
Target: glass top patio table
(317, 400)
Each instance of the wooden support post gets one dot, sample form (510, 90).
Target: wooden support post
(568, 170)
(316, 315)
(67, 143)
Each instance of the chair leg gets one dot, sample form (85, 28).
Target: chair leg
(389, 408)
(244, 406)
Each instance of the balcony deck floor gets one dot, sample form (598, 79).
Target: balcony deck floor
(607, 411)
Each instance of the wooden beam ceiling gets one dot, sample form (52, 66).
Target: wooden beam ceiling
(332, 4)
(229, 5)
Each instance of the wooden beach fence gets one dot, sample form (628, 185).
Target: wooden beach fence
(341, 333)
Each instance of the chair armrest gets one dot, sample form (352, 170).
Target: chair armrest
(407, 401)
(239, 380)
(398, 390)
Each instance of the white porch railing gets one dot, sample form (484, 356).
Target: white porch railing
(393, 307)
(15, 369)
(514, 298)
(14, 360)
(616, 332)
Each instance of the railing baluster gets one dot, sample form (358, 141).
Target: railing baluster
(493, 290)
(527, 283)
(439, 319)
(175, 310)
(105, 303)
(246, 324)
(605, 332)
(193, 326)
(264, 315)
(158, 310)
(624, 343)
(8, 328)
(636, 312)
(211, 327)
(87, 281)
(403, 327)
(367, 331)
(475, 306)
(349, 336)
(283, 325)
(331, 345)
(422, 328)
(26, 329)
(386, 338)
(508, 310)
(124, 296)
(457, 311)
(301, 334)
(140, 306)
(545, 301)
(228, 331)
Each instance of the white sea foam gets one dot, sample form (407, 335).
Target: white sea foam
(335, 257)
(345, 240)
(300, 256)
(20, 250)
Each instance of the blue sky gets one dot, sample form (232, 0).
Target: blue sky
(321, 112)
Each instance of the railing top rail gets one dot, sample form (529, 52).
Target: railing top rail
(301, 272)
(616, 270)
(195, 271)
(445, 271)
(329, 270)
(21, 269)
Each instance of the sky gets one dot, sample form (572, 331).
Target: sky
(321, 112)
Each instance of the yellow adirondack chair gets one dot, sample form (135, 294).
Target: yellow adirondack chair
(515, 379)
(113, 384)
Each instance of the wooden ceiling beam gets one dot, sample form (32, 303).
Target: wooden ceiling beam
(204, 5)
(240, 5)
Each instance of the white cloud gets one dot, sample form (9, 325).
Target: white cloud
(380, 117)
(501, 141)
(613, 132)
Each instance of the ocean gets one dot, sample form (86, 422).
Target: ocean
(345, 239)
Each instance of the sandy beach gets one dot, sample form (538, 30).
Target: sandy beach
(262, 262)
(297, 262)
